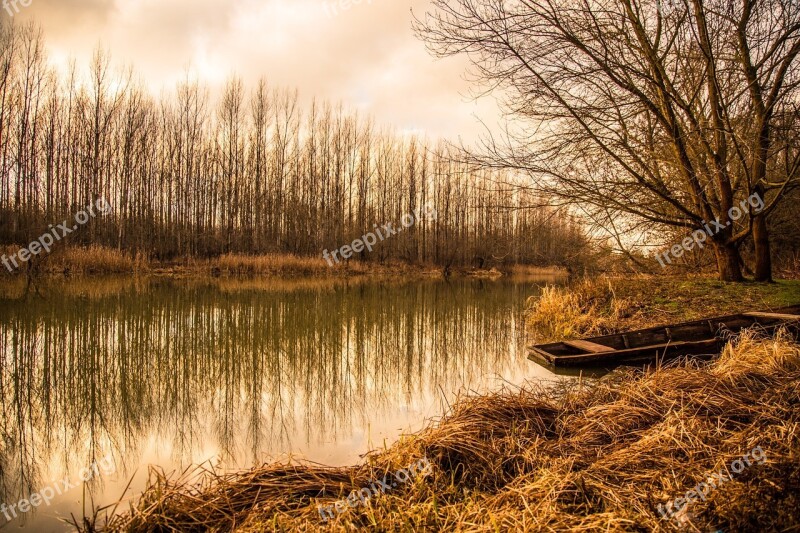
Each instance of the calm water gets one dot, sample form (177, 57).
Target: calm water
(237, 373)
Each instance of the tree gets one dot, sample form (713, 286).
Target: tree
(249, 171)
(661, 112)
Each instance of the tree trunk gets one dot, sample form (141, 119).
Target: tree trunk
(762, 249)
(728, 262)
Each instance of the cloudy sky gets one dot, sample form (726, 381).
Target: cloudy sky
(365, 55)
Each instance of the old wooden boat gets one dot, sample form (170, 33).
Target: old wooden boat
(701, 338)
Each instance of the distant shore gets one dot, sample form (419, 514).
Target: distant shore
(96, 260)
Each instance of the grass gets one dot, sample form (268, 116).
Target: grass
(597, 307)
(99, 260)
(597, 456)
(289, 265)
(95, 260)
(79, 261)
(270, 265)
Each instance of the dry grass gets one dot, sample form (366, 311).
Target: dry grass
(95, 260)
(534, 271)
(294, 266)
(789, 268)
(578, 457)
(607, 305)
(588, 308)
(75, 260)
(270, 265)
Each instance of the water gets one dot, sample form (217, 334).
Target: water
(154, 372)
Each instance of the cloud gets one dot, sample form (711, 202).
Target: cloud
(366, 56)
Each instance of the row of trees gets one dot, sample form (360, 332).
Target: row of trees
(250, 172)
(651, 115)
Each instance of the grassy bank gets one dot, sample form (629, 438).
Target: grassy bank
(97, 260)
(71, 260)
(580, 457)
(608, 305)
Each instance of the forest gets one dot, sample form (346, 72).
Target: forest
(264, 254)
(249, 171)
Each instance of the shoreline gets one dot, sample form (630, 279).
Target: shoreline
(596, 455)
(96, 261)
(593, 456)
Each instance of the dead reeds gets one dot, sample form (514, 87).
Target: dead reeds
(599, 306)
(77, 260)
(271, 265)
(580, 456)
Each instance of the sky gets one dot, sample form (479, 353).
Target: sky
(364, 55)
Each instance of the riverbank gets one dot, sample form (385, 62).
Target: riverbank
(101, 261)
(603, 306)
(584, 456)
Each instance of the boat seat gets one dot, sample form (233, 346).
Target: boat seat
(587, 346)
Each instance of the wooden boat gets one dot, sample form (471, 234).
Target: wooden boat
(701, 338)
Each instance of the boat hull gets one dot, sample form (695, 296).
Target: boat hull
(699, 338)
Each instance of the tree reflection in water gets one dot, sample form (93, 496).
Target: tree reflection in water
(245, 371)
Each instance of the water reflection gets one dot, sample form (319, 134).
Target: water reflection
(173, 373)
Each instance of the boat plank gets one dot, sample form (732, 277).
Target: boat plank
(776, 316)
(588, 346)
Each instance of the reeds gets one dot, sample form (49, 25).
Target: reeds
(95, 260)
(271, 265)
(579, 456)
(289, 266)
(78, 260)
(587, 308)
(536, 272)
(594, 307)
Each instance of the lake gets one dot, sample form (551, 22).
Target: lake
(127, 373)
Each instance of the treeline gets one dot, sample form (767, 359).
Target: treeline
(250, 172)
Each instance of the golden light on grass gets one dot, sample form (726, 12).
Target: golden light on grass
(273, 264)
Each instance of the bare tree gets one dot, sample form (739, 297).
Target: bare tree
(250, 172)
(663, 115)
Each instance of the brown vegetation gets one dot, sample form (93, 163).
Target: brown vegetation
(78, 260)
(269, 265)
(99, 260)
(95, 260)
(601, 306)
(581, 456)
(289, 265)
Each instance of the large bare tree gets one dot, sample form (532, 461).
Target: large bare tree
(661, 111)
